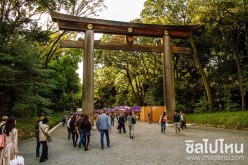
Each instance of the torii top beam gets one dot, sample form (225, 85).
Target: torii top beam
(73, 23)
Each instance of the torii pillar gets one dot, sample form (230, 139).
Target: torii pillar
(168, 78)
(88, 75)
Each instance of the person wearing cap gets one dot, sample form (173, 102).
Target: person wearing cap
(43, 130)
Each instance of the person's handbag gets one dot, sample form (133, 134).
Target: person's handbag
(49, 139)
(18, 160)
(2, 141)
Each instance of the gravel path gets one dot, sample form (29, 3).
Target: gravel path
(149, 147)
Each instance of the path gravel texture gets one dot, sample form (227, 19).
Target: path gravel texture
(149, 147)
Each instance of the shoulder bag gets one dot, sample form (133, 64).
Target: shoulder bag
(49, 139)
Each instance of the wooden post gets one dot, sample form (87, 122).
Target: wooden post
(169, 91)
(88, 75)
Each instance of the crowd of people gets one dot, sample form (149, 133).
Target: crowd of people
(79, 127)
(79, 131)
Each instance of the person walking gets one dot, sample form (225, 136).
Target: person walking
(131, 120)
(68, 126)
(63, 120)
(86, 127)
(183, 120)
(80, 130)
(37, 126)
(121, 122)
(73, 130)
(2, 128)
(104, 127)
(177, 121)
(2, 124)
(162, 121)
(11, 141)
(43, 131)
(112, 117)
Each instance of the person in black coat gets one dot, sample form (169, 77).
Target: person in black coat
(121, 122)
(86, 127)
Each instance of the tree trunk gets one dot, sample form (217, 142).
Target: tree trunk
(240, 78)
(203, 75)
(235, 50)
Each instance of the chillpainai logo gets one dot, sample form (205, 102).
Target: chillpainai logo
(219, 146)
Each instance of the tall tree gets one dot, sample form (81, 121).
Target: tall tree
(178, 13)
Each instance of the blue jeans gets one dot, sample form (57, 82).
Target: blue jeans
(106, 132)
(37, 147)
(82, 139)
(163, 126)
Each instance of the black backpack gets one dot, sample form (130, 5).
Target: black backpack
(133, 120)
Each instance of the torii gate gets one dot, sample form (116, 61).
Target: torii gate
(90, 26)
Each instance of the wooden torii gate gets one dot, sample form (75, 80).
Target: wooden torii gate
(91, 26)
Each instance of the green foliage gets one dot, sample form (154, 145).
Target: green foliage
(200, 107)
(231, 106)
(231, 120)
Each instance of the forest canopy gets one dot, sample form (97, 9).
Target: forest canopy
(37, 76)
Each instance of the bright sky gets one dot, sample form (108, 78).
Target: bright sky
(122, 10)
(118, 10)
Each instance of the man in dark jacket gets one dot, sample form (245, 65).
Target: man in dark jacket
(177, 120)
(37, 125)
(121, 122)
(80, 130)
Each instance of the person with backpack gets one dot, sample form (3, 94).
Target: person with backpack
(162, 121)
(177, 121)
(131, 120)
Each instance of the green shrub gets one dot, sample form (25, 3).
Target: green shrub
(232, 120)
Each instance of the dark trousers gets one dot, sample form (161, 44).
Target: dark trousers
(63, 122)
(112, 121)
(37, 147)
(87, 140)
(183, 124)
(44, 153)
(122, 126)
(74, 138)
